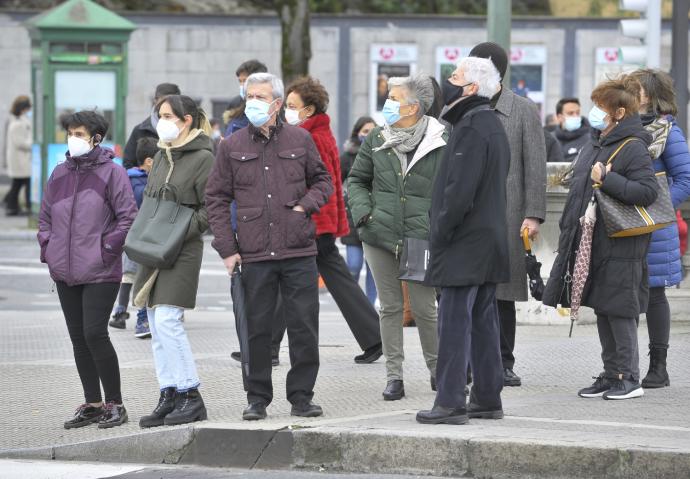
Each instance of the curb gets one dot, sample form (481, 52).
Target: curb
(343, 449)
(18, 235)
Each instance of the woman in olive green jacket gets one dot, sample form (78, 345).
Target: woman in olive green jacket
(389, 195)
(184, 161)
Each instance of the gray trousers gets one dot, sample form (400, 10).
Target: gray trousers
(385, 268)
(619, 349)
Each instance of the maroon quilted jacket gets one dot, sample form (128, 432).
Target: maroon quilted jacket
(266, 177)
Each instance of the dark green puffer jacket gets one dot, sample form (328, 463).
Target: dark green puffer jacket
(388, 204)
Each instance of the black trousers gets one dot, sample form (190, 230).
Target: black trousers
(508, 320)
(86, 308)
(619, 350)
(12, 197)
(468, 334)
(297, 281)
(658, 318)
(359, 313)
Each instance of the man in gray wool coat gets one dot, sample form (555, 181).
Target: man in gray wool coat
(526, 188)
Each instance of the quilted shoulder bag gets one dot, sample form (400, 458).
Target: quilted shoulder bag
(621, 220)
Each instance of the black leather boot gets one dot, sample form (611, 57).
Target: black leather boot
(657, 377)
(189, 408)
(394, 390)
(166, 405)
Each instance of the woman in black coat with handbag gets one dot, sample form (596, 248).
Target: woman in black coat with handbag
(617, 286)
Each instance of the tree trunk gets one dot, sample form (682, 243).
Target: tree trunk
(296, 40)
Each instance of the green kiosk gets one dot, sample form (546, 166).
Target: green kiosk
(78, 62)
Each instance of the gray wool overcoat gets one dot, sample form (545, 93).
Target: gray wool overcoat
(526, 184)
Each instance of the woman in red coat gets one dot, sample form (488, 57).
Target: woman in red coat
(306, 104)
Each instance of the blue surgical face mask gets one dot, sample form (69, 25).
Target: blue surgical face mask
(596, 118)
(572, 123)
(257, 112)
(242, 92)
(391, 111)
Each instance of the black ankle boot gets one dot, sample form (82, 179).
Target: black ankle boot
(166, 405)
(657, 377)
(189, 408)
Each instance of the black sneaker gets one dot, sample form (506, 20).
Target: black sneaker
(510, 378)
(442, 415)
(114, 415)
(84, 415)
(600, 386)
(189, 407)
(118, 321)
(307, 409)
(370, 355)
(624, 389)
(475, 411)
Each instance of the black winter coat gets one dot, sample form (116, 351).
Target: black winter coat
(143, 130)
(571, 142)
(617, 282)
(469, 231)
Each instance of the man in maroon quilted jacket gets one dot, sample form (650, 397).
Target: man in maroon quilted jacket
(275, 175)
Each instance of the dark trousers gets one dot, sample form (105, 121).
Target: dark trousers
(508, 320)
(468, 333)
(297, 281)
(658, 318)
(619, 350)
(358, 312)
(12, 197)
(86, 308)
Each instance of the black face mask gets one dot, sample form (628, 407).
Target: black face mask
(452, 92)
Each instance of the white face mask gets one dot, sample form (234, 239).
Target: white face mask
(292, 117)
(167, 130)
(78, 147)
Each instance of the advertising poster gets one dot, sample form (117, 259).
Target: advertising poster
(609, 64)
(387, 61)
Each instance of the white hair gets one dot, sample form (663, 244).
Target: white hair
(419, 88)
(483, 73)
(259, 78)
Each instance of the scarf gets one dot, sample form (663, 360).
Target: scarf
(403, 140)
(660, 129)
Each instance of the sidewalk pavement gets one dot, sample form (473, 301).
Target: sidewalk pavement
(548, 431)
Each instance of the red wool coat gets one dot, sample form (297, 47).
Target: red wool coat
(332, 219)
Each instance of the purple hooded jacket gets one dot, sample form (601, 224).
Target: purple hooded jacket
(88, 207)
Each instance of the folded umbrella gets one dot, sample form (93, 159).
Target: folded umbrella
(240, 312)
(583, 259)
(536, 283)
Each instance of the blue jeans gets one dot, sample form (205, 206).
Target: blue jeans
(172, 353)
(355, 260)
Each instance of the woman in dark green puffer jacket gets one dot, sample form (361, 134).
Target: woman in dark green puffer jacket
(389, 196)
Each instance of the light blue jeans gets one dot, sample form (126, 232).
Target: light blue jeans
(355, 260)
(171, 350)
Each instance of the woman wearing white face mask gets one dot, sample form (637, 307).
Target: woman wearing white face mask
(306, 104)
(390, 186)
(184, 160)
(616, 159)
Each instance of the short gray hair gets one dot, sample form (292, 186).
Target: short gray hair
(482, 72)
(420, 91)
(276, 83)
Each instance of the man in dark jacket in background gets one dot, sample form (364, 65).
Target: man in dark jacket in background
(275, 175)
(243, 71)
(573, 130)
(469, 247)
(146, 128)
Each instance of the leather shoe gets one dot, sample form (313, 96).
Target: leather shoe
(394, 390)
(307, 409)
(84, 415)
(113, 415)
(370, 355)
(254, 412)
(475, 411)
(443, 415)
(510, 378)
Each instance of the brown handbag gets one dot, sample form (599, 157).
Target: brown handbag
(621, 220)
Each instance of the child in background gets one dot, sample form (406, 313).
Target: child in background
(138, 176)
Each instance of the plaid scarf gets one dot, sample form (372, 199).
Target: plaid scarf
(660, 129)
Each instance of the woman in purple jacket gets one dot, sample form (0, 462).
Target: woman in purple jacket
(87, 209)
(669, 151)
